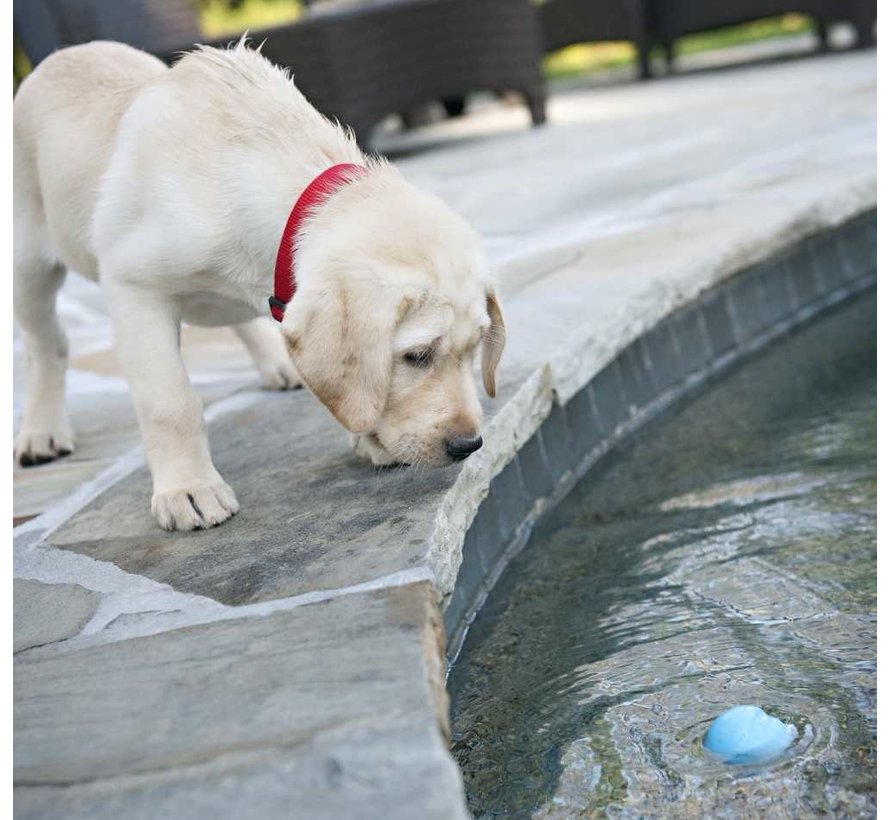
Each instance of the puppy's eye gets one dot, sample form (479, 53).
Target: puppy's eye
(419, 358)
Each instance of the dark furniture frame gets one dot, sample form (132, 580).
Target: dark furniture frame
(669, 20)
(387, 57)
(356, 64)
(649, 23)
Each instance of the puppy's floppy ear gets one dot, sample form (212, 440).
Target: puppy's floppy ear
(341, 342)
(493, 342)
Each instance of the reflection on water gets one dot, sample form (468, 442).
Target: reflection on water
(725, 556)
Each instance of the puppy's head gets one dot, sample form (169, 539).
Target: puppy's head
(394, 303)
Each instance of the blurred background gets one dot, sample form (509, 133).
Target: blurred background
(401, 64)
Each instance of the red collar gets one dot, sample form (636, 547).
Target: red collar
(316, 192)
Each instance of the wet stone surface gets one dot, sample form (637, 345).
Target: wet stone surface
(724, 556)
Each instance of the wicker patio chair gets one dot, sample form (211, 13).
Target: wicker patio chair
(670, 19)
(392, 55)
(357, 64)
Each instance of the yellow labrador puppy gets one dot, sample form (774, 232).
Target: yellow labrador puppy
(172, 188)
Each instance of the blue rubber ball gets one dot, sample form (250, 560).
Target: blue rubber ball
(747, 734)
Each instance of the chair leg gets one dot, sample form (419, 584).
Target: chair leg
(669, 56)
(454, 106)
(643, 46)
(822, 32)
(537, 106)
(864, 36)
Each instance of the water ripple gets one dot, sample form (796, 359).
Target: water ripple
(724, 556)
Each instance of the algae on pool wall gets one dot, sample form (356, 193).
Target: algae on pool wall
(724, 555)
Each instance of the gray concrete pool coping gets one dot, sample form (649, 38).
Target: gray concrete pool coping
(292, 663)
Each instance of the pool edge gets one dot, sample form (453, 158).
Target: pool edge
(686, 348)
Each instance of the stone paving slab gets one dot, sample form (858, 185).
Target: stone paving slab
(287, 460)
(104, 422)
(177, 716)
(37, 489)
(233, 685)
(400, 773)
(46, 613)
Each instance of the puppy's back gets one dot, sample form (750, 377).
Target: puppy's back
(65, 119)
(244, 98)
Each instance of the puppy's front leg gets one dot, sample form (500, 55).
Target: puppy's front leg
(188, 491)
(264, 341)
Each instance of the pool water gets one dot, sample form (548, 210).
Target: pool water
(724, 555)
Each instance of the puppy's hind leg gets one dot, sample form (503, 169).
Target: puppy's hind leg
(45, 432)
(265, 342)
(188, 492)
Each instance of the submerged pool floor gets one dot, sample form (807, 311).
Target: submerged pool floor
(725, 555)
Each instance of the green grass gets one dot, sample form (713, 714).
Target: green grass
(588, 58)
(21, 65)
(217, 19)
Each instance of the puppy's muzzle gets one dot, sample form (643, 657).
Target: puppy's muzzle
(459, 448)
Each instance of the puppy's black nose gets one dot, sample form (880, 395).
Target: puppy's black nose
(459, 448)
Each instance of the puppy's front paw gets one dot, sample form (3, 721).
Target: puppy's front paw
(369, 447)
(34, 446)
(196, 508)
(280, 376)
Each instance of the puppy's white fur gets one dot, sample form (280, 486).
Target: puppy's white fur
(171, 187)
